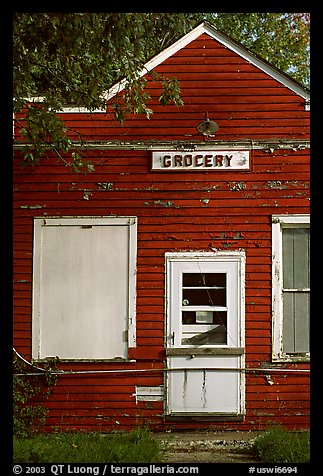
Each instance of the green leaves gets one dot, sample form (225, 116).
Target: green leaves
(29, 394)
(74, 58)
(171, 93)
(283, 39)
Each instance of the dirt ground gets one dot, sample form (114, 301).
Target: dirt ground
(208, 447)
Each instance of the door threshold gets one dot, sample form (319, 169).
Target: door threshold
(188, 416)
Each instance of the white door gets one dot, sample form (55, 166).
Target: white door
(205, 334)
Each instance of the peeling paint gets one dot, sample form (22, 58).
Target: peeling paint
(227, 245)
(105, 185)
(185, 386)
(173, 237)
(276, 184)
(248, 195)
(152, 188)
(237, 186)
(86, 195)
(32, 207)
(269, 379)
(239, 236)
(161, 203)
(203, 397)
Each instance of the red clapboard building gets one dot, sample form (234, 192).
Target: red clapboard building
(173, 281)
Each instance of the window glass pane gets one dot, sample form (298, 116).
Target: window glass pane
(204, 297)
(296, 325)
(296, 242)
(204, 289)
(194, 317)
(296, 262)
(203, 279)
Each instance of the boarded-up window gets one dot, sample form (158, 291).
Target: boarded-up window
(291, 287)
(83, 287)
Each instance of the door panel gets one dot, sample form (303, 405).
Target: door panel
(205, 333)
(201, 391)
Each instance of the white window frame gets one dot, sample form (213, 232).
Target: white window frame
(216, 257)
(280, 222)
(39, 222)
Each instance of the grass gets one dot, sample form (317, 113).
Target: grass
(136, 446)
(279, 446)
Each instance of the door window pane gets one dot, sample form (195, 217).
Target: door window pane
(214, 317)
(216, 335)
(204, 279)
(204, 297)
(204, 289)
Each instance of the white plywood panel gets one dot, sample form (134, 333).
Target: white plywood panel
(201, 390)
(84, 292)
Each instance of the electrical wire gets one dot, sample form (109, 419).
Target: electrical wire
(168, 369)
(30, 364)
(163, 369)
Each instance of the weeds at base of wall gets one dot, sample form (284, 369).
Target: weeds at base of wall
(137, 446)
(29, 394)
(279, 446)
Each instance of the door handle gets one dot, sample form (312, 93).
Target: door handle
(172, 338)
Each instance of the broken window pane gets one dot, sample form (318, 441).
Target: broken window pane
(217, 335)
(204, 326)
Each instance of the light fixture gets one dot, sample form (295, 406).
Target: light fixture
(207, 127)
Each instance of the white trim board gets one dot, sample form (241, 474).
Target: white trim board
(280, 222)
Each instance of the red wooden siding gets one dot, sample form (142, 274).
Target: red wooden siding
(244, 101)
(173, 215)
(177, 212)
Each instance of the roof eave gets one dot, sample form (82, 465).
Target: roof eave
(228, 42)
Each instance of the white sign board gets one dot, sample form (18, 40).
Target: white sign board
(203, 160)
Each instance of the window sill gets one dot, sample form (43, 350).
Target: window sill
(204, 351)
(291, 358)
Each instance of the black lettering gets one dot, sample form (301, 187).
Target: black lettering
(167, 161)
(229, 157)
(197, 163)
(219, 160)
(208, 162)
(188, 160)
(178, 161)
